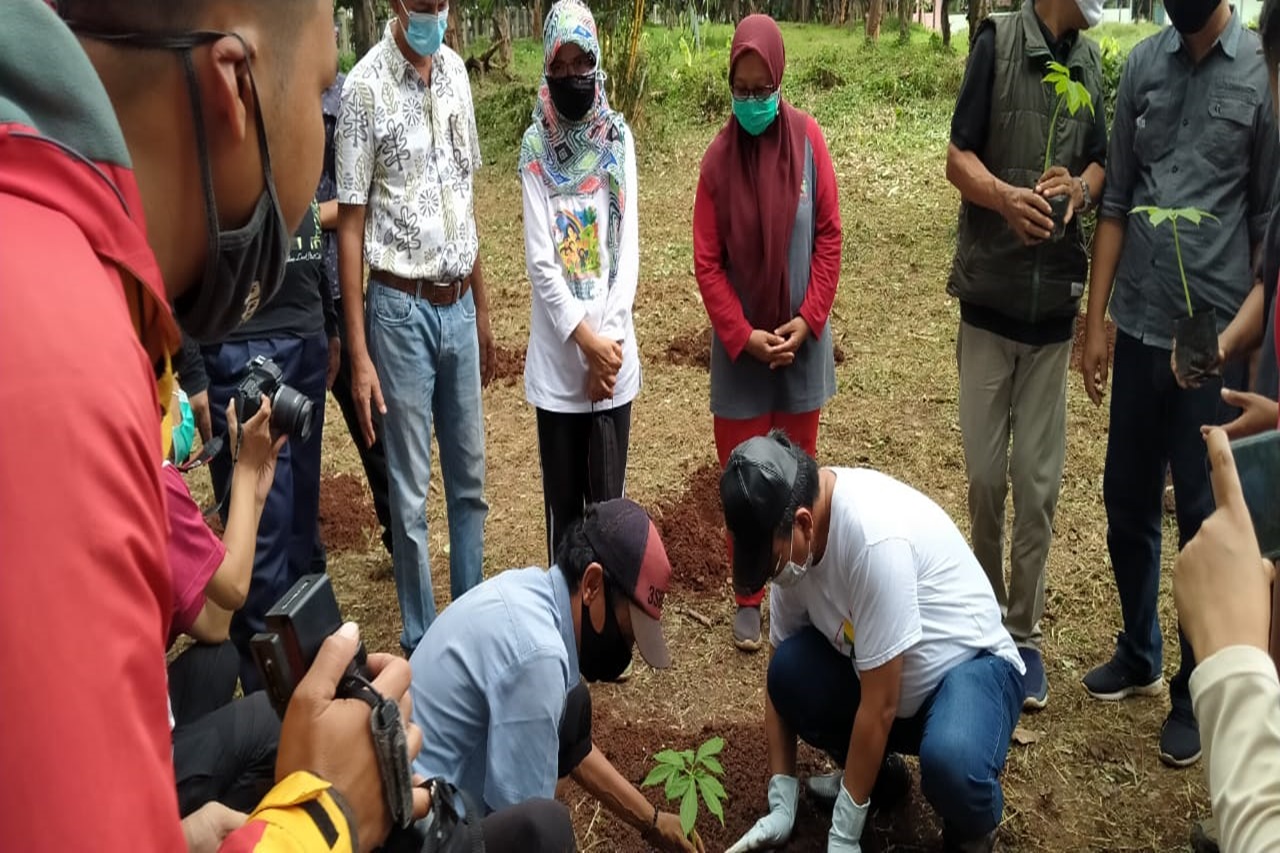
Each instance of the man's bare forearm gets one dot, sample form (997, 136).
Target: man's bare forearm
(615, 793)
(967, 172)
(1108, 242)
(351, 219)
(1244, 333)
(781, 742)
(478, 290)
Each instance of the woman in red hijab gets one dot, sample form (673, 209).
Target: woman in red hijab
(766, 252)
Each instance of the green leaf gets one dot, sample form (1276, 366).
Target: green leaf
(712, 799)
(677, 786)
(712, 784)
(689, 811)
(670, 756)
(688, 756)
(1192, 215)
(713, 764)
(712, 747)
(658, 775)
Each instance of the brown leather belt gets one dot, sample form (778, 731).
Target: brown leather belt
(438, 293)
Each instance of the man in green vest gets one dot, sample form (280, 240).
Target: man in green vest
(1019, 285)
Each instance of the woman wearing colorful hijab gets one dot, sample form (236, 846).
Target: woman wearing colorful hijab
(582, 369)
(766, 252)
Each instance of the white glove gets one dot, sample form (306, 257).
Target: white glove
(773, 829)
(847, 821)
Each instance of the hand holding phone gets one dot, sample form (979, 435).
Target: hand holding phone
(1257, 462)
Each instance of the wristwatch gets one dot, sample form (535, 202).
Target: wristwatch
(1085, 195)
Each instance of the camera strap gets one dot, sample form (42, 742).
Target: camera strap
(389, 745)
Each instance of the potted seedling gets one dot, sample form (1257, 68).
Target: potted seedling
(688, 777)
(1072, 95)
(1195, 337)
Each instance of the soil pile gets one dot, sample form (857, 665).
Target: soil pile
(510, 364)
(347, 518)
(692, 529)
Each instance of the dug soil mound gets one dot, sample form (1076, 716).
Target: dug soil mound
(347, 518)
(630, 748)
(692, 529)
(692, 348)
(510, 364)
(1077, 344)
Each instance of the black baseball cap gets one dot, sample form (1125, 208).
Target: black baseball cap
(756, 488)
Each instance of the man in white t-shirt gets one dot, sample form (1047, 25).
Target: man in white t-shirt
(886, 639)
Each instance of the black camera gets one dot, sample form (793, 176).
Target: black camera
(290, 409)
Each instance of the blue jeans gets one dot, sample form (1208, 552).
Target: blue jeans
(961, 732)
(1155, 424)
(428, 362)
(289, 530)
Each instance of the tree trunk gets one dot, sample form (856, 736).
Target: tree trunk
(978, 10)
(904, 21)
(536, 14)
(875, 12)
(735, 11)
(454, 37)
(364, 26)
(502, 35)
(946, 21)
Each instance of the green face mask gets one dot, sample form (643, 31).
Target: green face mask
(184, 433)
(756, 115)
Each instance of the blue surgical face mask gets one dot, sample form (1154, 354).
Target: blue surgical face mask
(184, 430)
(425, 32)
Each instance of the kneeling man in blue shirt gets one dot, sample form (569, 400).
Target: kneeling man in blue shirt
(497, 680)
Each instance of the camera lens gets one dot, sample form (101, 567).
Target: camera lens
(291, 413)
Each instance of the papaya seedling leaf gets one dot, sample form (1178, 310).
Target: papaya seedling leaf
(689, 811)
(658, 775)
(670, 756)
(713, 764)
(712, 747)
(688, 756)
(712, 784)
(713, 802)
(677, 785)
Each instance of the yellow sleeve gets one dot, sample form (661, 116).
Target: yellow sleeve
(301, 814)
(1236, 695)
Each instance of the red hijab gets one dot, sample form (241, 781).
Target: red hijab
(755, 182)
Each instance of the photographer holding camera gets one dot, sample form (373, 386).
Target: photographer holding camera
(282, 351)
(99, 153)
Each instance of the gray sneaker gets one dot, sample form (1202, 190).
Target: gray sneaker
(746, 629)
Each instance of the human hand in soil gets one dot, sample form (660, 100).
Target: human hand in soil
(1258, 414)
(330, 737)
(1221, 584)
(1058, 181)
(1094, 362)
(668, 835)
(1028, 214)
(773, 829)
(335, 360)
(1195, 380)
(200, 409)
(793, 333)
(206, 827)
(257, 450)
(366, 391)
(760, 347)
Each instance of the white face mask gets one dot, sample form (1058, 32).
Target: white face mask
(1092, 11)
(792, 572)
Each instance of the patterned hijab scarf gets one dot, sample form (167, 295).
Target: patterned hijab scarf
(575, 157)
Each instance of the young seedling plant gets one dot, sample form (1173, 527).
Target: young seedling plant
(1196, 337)
(688, 776)
(1072, 95)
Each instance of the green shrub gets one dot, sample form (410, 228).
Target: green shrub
(825, 70)
(503, 111)
(346, 61)
(1112, 65)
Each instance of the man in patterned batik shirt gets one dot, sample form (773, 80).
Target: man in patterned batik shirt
(406, 153)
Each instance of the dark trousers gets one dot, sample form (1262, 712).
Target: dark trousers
(961, 733)
(534, 826)
(286, 546)
(584, 460)
(1155, 425)
(374, 459)
(224, 749)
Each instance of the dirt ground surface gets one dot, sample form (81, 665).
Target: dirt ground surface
(1090, 782)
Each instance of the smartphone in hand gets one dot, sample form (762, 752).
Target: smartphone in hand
(1258, 463)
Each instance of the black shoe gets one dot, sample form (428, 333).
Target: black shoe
(1113, 681)
(1204, 836)
(1180, 739)
(985, 844)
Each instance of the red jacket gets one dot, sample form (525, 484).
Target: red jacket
(84, 582)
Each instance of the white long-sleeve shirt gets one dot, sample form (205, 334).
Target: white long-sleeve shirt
(567, 257)
(1236, 696)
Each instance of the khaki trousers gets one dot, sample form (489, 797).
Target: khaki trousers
(1013, 391)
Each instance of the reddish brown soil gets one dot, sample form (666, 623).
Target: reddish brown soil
(347, 518)
(510, 364)
(745, 758)
(692, 529)
(1077, 343)
(693, 349)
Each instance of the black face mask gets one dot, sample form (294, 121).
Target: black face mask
(574, 95)
(1190, 16)
(244, 267)
(604, 654)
